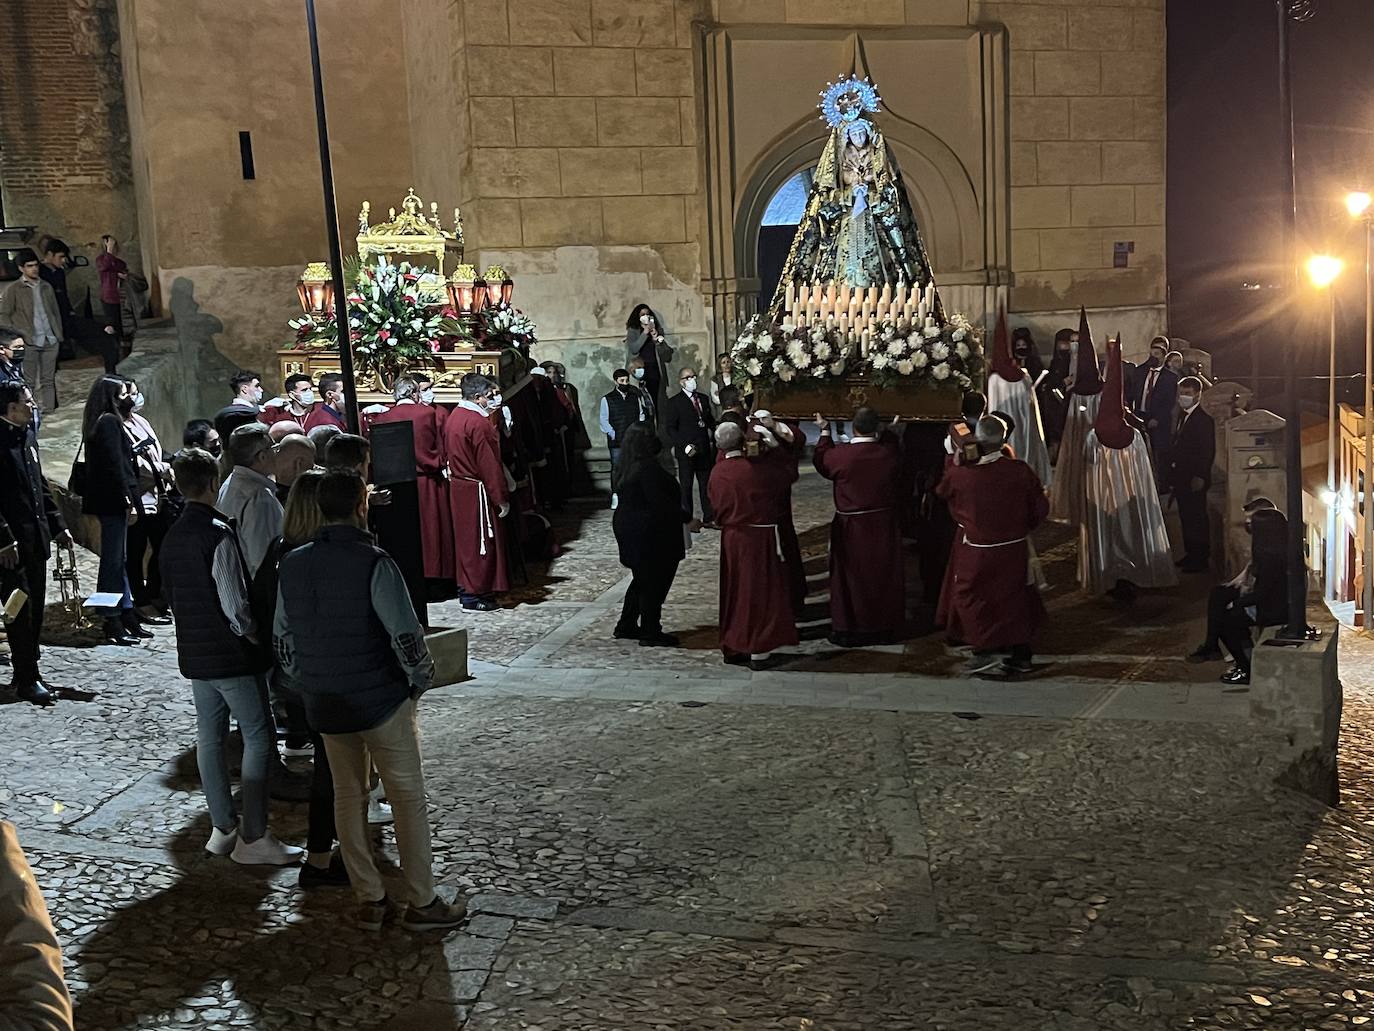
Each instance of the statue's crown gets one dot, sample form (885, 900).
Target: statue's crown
(847, 100)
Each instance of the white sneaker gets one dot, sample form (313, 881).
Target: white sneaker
(221, 843)
(296, 753)
(266, 851)
(378, 811)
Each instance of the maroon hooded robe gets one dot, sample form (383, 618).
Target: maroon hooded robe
(436, 521)
(867, 579)
(989, 601)
(477, 490)
(755, 607)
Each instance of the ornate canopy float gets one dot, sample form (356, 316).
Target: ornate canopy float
(856, 318)
(406, 318)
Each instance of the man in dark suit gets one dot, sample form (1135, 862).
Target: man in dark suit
(690, 425)
(29, 523)
(1192, 451)
(1154, 391)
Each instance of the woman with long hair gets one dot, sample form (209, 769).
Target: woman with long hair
(302, 521)
(110, 493)
(648, 526)
(646, 339)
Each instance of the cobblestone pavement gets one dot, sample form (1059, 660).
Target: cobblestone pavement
(649, 840)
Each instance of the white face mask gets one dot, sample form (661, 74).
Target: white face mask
(427, 397)
(494, 402)
(690, 385)
(306, 397)
(639, 373)
(1187, 403)
(257, 395)
(138, 402)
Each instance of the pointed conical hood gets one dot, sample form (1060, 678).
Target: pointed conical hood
(1002, 362)
(1113, 430)
(1086, 377)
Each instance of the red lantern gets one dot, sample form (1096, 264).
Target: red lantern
(316, 290)
(460, 295)
(478, 301)
(507, 290)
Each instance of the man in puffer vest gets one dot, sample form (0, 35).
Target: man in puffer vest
(346, 632)
(220, 650)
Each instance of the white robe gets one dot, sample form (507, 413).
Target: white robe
(1028, 439)
(1122, 536)
(1066, 497)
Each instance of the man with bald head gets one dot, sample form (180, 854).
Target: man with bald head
(295, 454)
(750, 501)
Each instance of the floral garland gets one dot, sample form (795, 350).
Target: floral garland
(506, 326)
(898, 355)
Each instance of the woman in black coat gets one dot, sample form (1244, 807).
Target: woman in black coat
(648, 526)
(110, 493)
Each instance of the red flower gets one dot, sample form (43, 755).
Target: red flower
(411, 277)
(355, 299)
(383, 335)
(434, 346)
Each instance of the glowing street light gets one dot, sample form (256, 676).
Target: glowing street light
(1357, 203)
(1323, 270)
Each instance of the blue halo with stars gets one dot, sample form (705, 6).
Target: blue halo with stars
(845, 101)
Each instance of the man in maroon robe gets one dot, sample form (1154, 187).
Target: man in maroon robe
(990, 596)
(431, 486)
(747, 498)
(867, 579)
(477, 496)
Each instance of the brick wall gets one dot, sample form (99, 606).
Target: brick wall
(64, 134)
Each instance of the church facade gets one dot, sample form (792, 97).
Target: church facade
(608, 152)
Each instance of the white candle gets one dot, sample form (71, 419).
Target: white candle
(930, 322)
(790, 299)
(830, 294)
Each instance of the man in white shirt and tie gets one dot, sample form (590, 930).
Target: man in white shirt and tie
(1154, 394)
(689, 424)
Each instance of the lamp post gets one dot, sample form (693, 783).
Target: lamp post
(1359, 206)
(1323, 270)
(331, 225)
(1296, 629)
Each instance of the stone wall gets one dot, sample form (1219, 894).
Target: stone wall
(228, 247)
(64, 133)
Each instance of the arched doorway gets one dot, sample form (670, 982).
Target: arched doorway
(777, 228)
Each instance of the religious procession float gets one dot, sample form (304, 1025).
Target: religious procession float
(856, 318)
(406, 318)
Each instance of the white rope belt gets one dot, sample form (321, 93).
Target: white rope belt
(777, 534)
(485, 528)
(863, 511)
(999, 544)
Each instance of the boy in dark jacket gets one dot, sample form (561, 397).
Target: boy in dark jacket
(220, 650)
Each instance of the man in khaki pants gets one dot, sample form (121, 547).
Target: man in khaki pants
(345, 631)
(29, 306)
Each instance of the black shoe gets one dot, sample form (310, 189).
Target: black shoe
(1018, 667)
(333, 876)
(36, 694)
(625, 633)
(735, 658)
(480, 605)
(132, 626)
(155, 620)
(1124, 591)
(116, 634)
(1204, 654)
(659, 640)
(1235, 675)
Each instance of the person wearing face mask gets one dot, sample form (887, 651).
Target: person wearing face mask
(296, 403)
(1052, 393)
(1154, 392)
(1191, 453)
(436, 522)
(108, 485)
(646, 340)
(146, 533)
(245, 390)
(690, 424)
(622, 408)
(424, 390)
(1222, 598)
(201, 433)
(478, 495)
(331, 407)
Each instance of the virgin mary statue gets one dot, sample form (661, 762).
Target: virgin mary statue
(858, 228)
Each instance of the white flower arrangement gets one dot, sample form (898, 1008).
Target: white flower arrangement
(941, 371)
(906, 367)
(880, 361)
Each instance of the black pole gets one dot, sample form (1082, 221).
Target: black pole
(331, 224)
(1296, 629)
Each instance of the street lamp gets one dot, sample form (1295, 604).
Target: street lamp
(1324, 270)
(1359, 206)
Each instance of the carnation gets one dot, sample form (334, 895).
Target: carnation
(823, 350)
(913, 341)
(837, 368)
(764, 344)
(817, 334)
(754, 366)
(958, 335)
(940, 371)
(919, 359)
(906, 367)
(881, 361)
(787, 373)
(932, 332)
(896, 347)
(940, 351)
(961, 350)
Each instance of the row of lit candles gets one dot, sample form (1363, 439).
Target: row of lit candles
(817, 300)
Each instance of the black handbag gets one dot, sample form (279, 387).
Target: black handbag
(76, 483)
